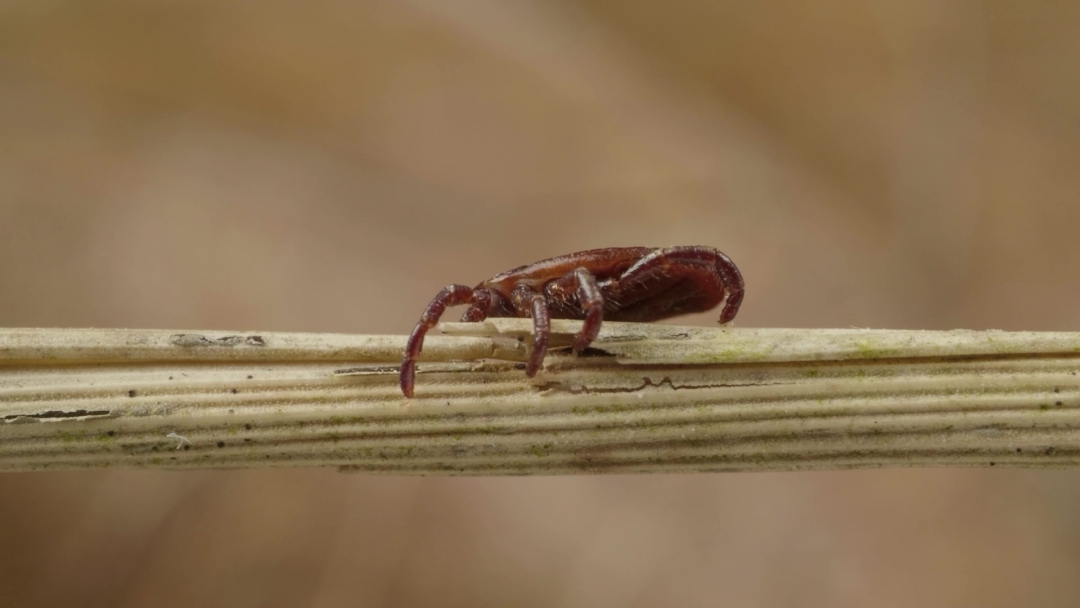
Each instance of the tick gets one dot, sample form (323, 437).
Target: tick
(617, 283)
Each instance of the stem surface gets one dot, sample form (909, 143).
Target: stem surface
(643, 398)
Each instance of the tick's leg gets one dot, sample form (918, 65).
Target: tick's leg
(528, 303)
(475, 314)
(733, 283)
(582, 284)
(592, 302)
(451, 295)
(675, 281)
(481, 306)
(731, 307)
(541, 329)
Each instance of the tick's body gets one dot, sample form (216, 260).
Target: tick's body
(618, 283)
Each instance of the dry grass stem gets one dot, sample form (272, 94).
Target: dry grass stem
(656, 398)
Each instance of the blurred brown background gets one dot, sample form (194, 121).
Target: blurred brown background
(328, 165)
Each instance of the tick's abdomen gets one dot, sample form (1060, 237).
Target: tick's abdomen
(637, 283)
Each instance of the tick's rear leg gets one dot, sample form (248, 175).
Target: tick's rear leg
(733, 284)
(529, 303)
(451, 295)
(678, 280)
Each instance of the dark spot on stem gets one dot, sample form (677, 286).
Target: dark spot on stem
(195, 340)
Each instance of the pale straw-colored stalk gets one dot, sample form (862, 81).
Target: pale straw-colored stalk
(645, 398)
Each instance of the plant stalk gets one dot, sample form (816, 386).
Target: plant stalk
(644, 398)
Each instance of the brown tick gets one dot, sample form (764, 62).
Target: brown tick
(617, 283)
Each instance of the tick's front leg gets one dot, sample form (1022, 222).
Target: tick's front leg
(529, 303)
(451, 295)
